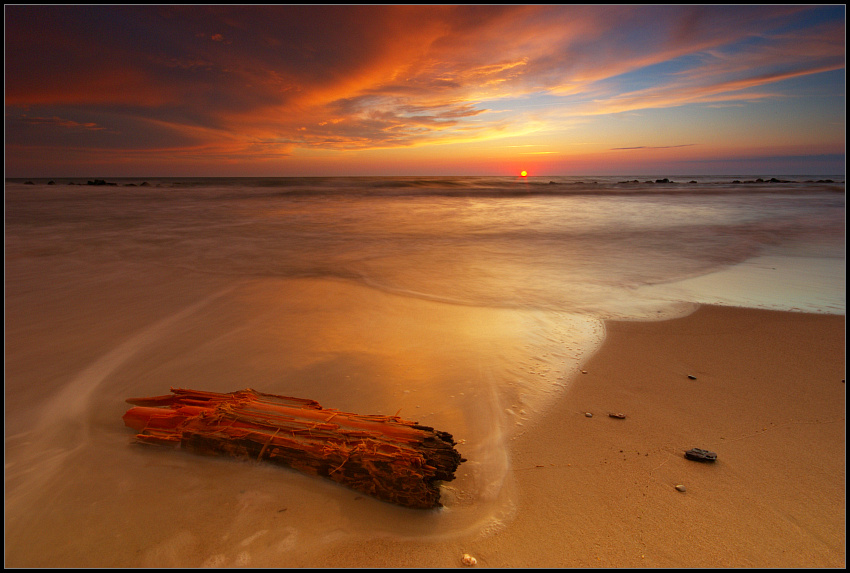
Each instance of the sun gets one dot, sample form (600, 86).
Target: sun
(523, 173)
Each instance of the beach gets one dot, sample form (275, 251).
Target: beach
(768, 398)
(501, 320)
(571, 490)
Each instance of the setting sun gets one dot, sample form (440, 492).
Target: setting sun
(523, 173)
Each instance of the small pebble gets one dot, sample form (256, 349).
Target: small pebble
(468, 560)
(692, 377)
(588, 414)
(681, 488)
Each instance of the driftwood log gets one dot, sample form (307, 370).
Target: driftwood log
(384, 456)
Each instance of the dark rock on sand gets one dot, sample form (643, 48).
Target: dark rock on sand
(701, 455)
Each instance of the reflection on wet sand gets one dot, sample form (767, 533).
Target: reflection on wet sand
(478, 373)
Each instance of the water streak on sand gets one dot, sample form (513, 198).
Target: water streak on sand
(70, 405)
(64, 419)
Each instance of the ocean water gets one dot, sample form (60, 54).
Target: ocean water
(466, 303)
(562, 243)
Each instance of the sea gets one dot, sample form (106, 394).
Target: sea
(469, 304)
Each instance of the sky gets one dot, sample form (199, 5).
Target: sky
(288, 90)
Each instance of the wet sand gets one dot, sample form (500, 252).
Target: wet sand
(768, 398)
(79, 493)
(545, 486)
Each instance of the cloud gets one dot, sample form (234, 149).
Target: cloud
(268, 79)
(651, 147)
(731, 72)
(59, 122)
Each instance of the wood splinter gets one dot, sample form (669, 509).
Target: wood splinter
(387, 457)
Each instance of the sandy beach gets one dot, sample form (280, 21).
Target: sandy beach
(364, 305)
(768, 398)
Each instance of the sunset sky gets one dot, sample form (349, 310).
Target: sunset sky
(116, 91)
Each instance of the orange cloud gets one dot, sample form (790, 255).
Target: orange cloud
(680, 94)
(57, 121)
(263, 81)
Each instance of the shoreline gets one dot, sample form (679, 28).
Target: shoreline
(768, 398)
(581, 492)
